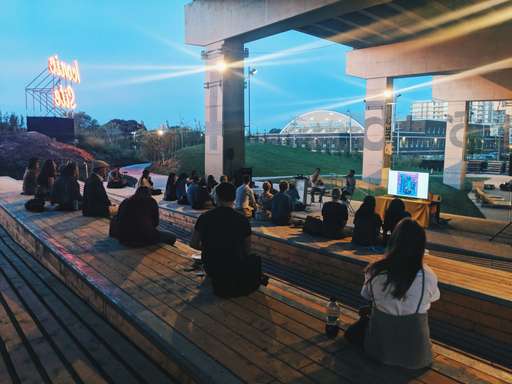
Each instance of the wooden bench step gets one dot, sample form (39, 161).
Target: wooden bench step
(51, 335)
(275, 335)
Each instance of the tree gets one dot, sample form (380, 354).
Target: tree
(84, 122)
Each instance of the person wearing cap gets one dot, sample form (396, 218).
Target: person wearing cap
(95, 202)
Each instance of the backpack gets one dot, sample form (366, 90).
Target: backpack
(35, 205)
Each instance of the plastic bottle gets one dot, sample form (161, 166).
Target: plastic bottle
(332, 318)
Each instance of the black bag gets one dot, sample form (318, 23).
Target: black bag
(183, 200)
(355, 333)
(247, 280)
(35, 205)
(113, 230)
(313, 226)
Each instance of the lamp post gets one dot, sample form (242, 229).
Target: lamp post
(349, 132)
(251, 72)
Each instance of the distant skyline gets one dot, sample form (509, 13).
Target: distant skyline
(135, 65)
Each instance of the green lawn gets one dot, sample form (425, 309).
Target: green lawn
(272, 160)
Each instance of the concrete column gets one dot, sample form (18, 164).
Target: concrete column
(375, 163)
(455, 147)
(224, 108)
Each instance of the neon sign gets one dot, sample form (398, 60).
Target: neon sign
(64, 95)
(64, 70)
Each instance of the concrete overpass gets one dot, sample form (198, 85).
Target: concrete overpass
(464, 43)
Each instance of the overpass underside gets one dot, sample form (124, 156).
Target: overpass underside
(464, 44)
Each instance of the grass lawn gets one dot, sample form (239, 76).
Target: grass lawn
(273, 160)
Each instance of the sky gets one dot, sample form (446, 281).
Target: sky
(134, 64)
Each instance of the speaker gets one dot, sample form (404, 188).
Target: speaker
(229, 154)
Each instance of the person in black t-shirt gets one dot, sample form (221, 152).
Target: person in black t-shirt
(335, 216)
(224, 237)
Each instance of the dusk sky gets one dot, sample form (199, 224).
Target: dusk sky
(134, 64)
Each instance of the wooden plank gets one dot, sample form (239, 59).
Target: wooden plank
(25, 369)
(86, 325)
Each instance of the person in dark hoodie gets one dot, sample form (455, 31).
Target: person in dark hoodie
(138, 219)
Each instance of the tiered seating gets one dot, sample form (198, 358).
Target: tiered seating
(273, 336)
(48, 334)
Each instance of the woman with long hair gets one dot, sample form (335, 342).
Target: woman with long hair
(395, 212)
(401, 288)
(367, 224)
(170, 188)
(46, 179)
(30, 177)
(66, 190)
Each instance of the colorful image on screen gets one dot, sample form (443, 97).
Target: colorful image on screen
(407, 184)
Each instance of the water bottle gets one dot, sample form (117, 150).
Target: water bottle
(332, 318)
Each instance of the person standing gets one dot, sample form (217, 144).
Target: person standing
(350, 182)
(223, 236)
(245, 201)
(401, 288)
(95, 202)
(282, 205)
(30, 177)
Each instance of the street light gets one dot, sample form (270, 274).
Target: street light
(160, 132)
(251, 72)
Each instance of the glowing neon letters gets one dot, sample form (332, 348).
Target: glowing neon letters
(64, 95)
(64, 70)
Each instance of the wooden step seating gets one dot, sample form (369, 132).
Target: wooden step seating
(273, 336)
(475, 310)
(49, 334)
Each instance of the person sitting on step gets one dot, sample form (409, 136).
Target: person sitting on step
(145, 181)
(224, 237)
(66, 190)
(282, 206)
(245, 200)
(137, 221)
(115, 179)
(335, 216)
(46, 179)
(395, 212)
(367, 224)
(95, 202)
(401, 288)
(30, 177)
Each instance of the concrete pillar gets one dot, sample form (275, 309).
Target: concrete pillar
(377, 112)
(224, 108)
(455, 147)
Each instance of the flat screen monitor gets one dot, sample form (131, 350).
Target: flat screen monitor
(408, 184)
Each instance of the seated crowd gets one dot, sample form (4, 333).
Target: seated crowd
(399, 288)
